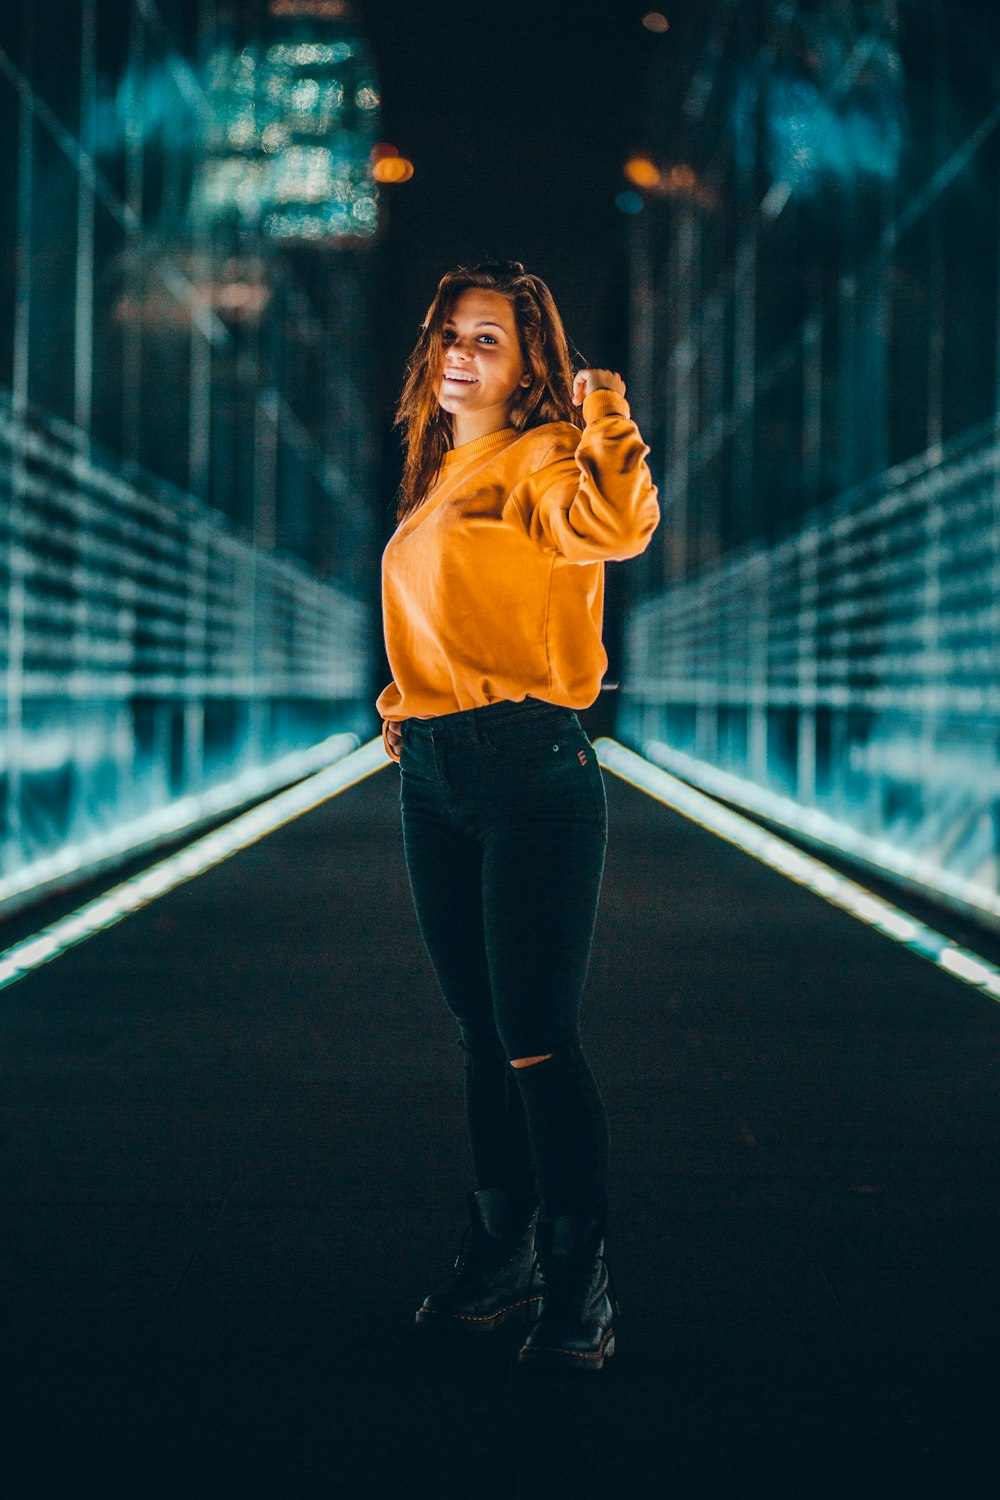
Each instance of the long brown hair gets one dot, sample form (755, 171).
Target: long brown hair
(427, 428)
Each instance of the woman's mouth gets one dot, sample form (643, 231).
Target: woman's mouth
(460, 379)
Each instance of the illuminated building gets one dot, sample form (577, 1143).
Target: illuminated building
(295, 118)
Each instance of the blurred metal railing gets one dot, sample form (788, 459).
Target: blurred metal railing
(846, 680)
(152, 656)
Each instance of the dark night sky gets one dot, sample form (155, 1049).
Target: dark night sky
(517, 117)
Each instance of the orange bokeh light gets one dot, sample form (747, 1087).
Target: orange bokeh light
(655, 20)
(642, 172)
(322, 10)
(392, 169)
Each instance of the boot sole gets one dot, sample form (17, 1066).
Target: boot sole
(542, 1361)
(463, 1323)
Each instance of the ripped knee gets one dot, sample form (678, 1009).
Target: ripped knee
(528, 1062)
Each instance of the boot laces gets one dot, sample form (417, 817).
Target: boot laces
(482, 1254)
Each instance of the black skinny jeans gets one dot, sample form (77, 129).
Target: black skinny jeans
(505, 831)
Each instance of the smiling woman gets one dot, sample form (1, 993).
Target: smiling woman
(482, 370)
(492, 599)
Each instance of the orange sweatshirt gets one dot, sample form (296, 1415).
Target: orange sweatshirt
(494, 587)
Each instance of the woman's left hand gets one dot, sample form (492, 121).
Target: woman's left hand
(596, 380)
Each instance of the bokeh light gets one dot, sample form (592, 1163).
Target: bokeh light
(392, 169)
(642, 172)
(293, 122)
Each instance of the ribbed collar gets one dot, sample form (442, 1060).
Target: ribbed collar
(479, 445)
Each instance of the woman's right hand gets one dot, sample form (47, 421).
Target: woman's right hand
(587, 381)
(394, 736)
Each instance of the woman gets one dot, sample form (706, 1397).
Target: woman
(492, 599)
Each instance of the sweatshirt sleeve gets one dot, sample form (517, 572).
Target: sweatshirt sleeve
(599, 502)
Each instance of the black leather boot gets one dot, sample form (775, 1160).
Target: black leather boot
(575, 1328)
(496, 1278)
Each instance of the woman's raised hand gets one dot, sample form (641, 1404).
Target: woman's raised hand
(596, 380)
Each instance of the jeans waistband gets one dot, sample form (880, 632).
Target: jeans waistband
(472, 718)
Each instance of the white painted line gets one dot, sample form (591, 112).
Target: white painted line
(804, 869)
(170, 821)
(185, 864)
(819, 827)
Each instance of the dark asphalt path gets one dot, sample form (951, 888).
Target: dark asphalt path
(232, 1162)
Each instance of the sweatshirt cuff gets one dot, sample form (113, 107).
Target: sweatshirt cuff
(604, 403)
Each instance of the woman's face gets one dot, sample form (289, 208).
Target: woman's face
(483, 364)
